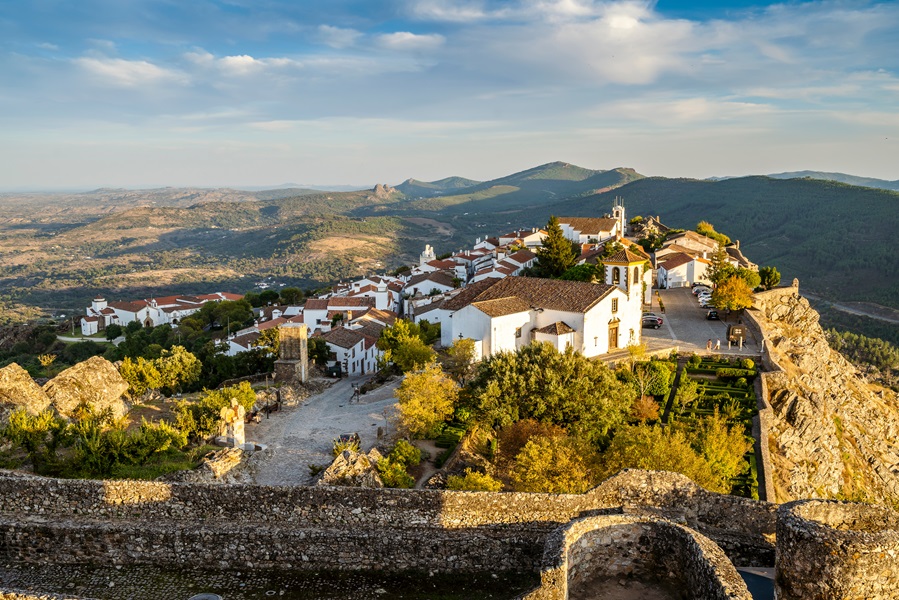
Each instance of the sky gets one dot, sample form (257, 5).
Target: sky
(136, 93)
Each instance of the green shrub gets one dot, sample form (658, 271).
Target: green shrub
(405, 454)
(394, 475)
(201, 419)
(694, 361)
(734, 373)
(473, 481)
(747, 363)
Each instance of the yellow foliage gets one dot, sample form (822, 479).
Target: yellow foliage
(473, 481)
(426, 399)
(551, 464)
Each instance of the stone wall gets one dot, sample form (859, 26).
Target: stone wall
(127, 522)
(605, 547)
(837, 550)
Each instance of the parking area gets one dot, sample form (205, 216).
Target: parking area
(685, 325)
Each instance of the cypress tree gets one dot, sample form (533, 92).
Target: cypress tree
(556, 254)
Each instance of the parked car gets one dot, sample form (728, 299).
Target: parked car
(704, 296)
(651, 314)
(700, 289)
(707, 304)
(713, 316)
(652, 321)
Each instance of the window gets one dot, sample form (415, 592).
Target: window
(518, 332)
(616, 276)
(614, 305)
(636, 274)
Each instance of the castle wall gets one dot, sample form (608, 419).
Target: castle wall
(829, 550)
(343, 528)
(594, 549)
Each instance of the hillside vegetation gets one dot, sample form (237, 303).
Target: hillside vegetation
(59, 250)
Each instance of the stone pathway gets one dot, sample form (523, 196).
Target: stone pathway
(300, 436)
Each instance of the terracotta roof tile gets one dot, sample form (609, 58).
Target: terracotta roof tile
(569, 296)
(589, 225)
(624, 256)
(502, 306)
(557, 328)
(343, 337)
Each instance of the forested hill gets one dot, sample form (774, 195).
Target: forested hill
(837, 238)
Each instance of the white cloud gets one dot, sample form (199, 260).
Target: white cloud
(245, 64)
(338, 37)
(404, 40)
(48, 46)
(128, 73)
(448, 10)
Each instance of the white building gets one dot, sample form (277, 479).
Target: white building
(679, 269)
(510, 313)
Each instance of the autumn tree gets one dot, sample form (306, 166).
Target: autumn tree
(512, 438)
(553, 465)
(732, 294)
(556, 254)
(460, 360)
(770, 277)
(722, 447)
(658, 449)
(563, 388)
(473, 481)
(426, 398)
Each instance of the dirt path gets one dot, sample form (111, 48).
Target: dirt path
(301, 436)
(864, 309)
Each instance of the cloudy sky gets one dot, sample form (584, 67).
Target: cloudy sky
(263, 92)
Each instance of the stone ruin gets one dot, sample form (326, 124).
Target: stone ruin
(292, 365)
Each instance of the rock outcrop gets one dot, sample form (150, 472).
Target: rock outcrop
(382, 191)
(832, 435)
(18, 390)
(353, 469)
(95, 381)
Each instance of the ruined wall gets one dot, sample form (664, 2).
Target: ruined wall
(337, 528)
(605, 547)
(830, 550)
(829, 434)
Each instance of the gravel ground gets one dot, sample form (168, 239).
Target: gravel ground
(301, 436)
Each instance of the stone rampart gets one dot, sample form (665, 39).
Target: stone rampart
(344, 528)
(596, 549)
(830, 550)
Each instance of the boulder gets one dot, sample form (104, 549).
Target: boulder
(353, 469)
(95, 382)
(18, 390)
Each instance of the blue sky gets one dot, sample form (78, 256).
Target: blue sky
(258, 92)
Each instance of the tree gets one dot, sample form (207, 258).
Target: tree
(178, 367)
(200, 419)
(770, 277)
(708, 230)
(473, 481)
(552, 465)
(512, 438)
(539, 382)
(291, 295)
(459, 361)
(402, 345)
(687, 393)
(269, 297)
(556, 254)
(652, 378)
(318, 350)
(732, 294)
(269, 341)
(720, 268)
(722, 447)
(752, 279)
(141, 375)
(585, 272)
(113, 330)
(658, 449)
(426, 399)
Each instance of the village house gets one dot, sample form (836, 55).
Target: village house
(594, 319)
(167, 310)
(679, 269)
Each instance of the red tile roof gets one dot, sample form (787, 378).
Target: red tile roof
(589, 225)
(569, 296)
(557, 328)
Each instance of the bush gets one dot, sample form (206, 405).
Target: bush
(201, 419)
(394, 475)
(733, 373)
(340, 446)
(473, 481)
(694, 361)
(747, 363)
(405, 454)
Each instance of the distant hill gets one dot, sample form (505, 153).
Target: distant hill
(533, 187)
(412, 188)
(838, 239)
(871, 182)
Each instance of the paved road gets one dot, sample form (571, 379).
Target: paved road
(303, 435)
(686, 326)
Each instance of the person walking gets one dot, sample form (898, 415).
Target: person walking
(718, 344)
(708, 345)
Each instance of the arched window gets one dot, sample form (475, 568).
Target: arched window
(636, 274)
(616, 276)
